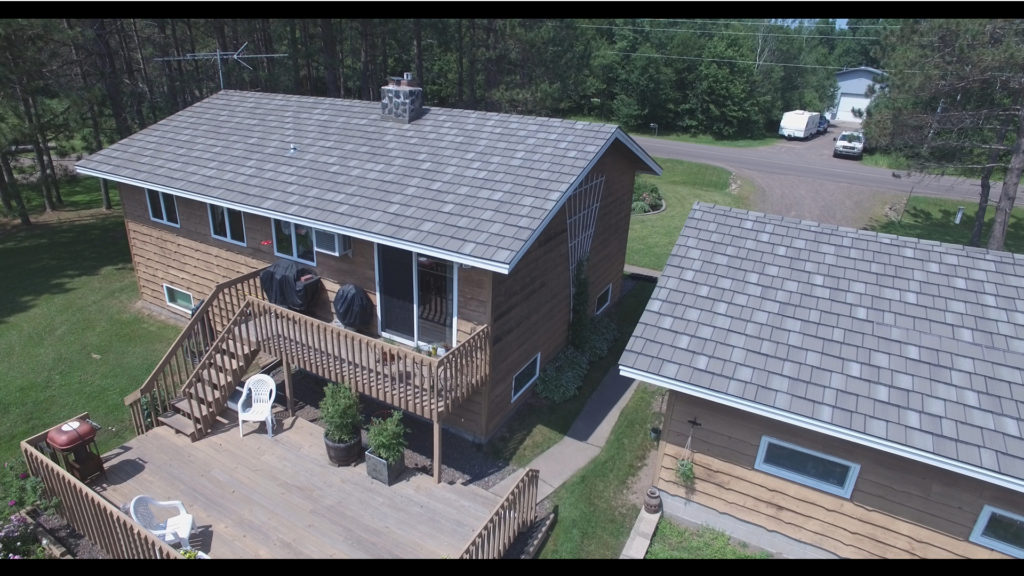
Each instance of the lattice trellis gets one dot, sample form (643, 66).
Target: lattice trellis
(581, 218)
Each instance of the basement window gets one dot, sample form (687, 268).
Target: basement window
(526, 376)
(1000, 530)
(178, 298)
(162, 207)
(807, 467)
(603, 300)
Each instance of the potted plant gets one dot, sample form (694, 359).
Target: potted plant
(341, 417)
(385, 454)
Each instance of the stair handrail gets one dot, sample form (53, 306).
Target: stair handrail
(171, 372)
(202, 415)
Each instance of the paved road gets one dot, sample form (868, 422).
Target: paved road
(803, 180)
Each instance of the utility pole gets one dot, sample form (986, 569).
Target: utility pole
(219, 55)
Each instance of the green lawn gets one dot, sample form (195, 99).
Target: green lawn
(934, 219)
(72, 338)
(652, 236)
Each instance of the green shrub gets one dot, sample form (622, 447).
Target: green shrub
(579, 322)
(646, 197)
(385, 437)
(599, 338)
(562, 378)
(340, 413)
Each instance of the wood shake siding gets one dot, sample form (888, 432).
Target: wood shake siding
(188, 257)
(608, 249)
(191, 259)
(530, 314)
(530, 310)
(898, 508)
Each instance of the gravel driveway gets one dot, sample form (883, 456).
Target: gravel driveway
(809, 199)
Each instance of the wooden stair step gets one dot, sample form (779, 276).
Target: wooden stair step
(178, 422)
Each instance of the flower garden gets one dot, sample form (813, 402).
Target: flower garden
(19, 538)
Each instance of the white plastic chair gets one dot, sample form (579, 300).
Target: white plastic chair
(260, 391)
(166, 519)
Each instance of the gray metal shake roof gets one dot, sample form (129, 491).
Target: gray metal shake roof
(911, 346)
(475, 187)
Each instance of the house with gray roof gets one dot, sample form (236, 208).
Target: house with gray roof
(859, 392)
(458, 225)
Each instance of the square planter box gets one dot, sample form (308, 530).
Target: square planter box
(378, 468)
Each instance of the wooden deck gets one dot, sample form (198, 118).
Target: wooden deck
(260, 497)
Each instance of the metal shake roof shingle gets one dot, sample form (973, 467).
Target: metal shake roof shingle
(485, 182)
(921, 342)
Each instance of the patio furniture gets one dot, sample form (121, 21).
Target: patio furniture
(166, 519)
(257, 402)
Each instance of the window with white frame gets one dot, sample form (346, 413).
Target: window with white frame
(525, 377)
(807, 467)
(1000, 530)
(178, 298)
(331, 243)
(603, 299)
(227, 224)
(294, 241)
(163, 207)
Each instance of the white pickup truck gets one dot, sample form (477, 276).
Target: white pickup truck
(850, 144)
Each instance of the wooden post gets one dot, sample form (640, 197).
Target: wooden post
(288, 386)
(437, 450)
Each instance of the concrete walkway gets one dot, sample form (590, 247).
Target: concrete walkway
(585, 440)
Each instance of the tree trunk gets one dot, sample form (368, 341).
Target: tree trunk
(471, 65)
(458, 59)
(52, 173)
(146, 84)
(364, 60)
(308, 53)
(134, 101)
(94, 121)
(293, 55)
(110, 78)
(197, 82)
(37, 148)
(997, 237)
(417, 36)
(330, 51)
(341, 58)
(986, 184)
(105, 194)
(11, 189)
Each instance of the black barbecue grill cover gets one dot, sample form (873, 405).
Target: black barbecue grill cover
(352, 306)
(288, 285)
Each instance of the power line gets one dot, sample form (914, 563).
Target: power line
(728, 32)
(727, 60)
(748, 22)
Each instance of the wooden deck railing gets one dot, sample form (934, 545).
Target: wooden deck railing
(515, 514)
(236, 321)
(100, 521)
(165, 383)
(412, 381)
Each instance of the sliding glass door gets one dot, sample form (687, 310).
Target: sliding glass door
(416, 296)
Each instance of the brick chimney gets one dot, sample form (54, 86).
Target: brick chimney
(401, 100)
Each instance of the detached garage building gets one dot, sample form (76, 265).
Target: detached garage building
(853, 90)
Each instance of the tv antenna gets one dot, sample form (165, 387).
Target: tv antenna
(219, 55)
